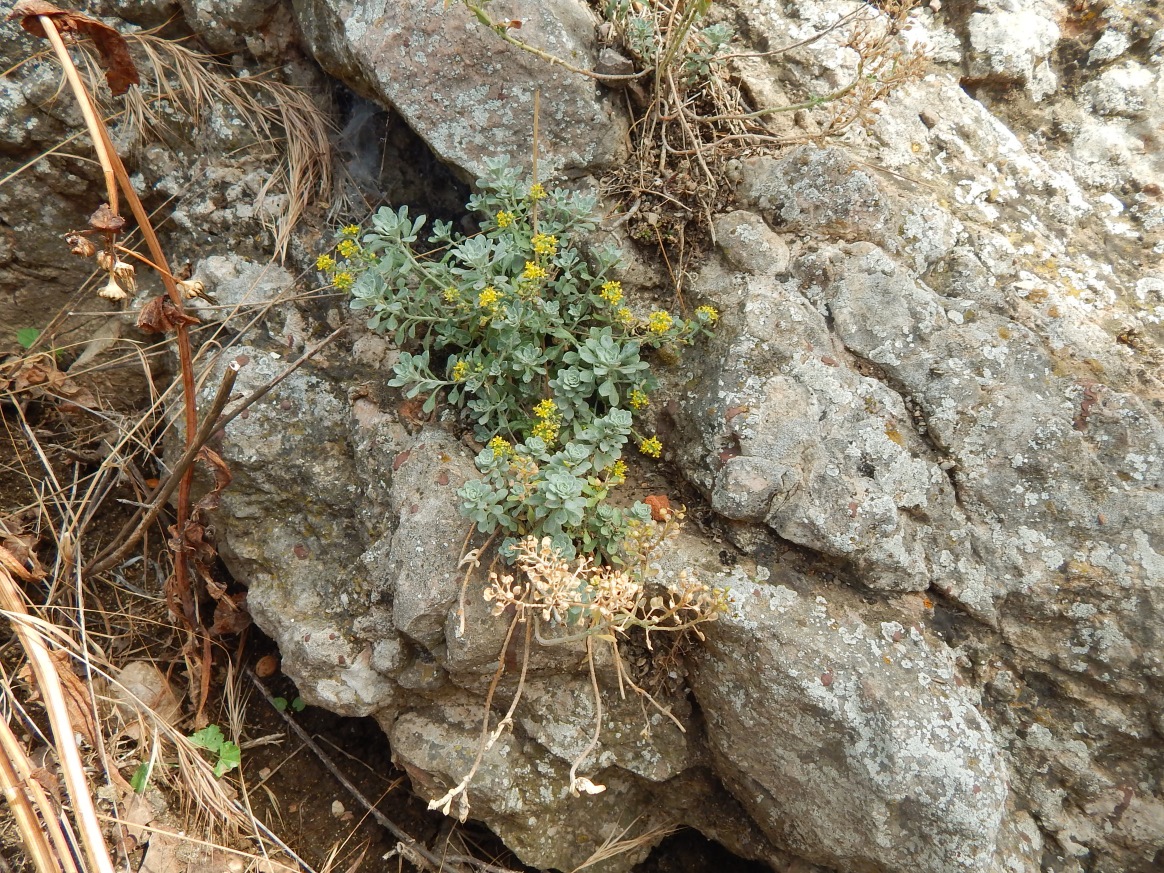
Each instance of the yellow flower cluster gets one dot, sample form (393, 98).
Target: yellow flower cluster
(536, 192)
(460, 371)
(617, 473)
(488, 299)
(501, 447)
(325, 263)
(707, 314)
(451, 295)
(625, 317)
(348, 247)
(659, 321)
(533, 272)
(350, 230)
(545, 244)
(504, 219)
(651, 447)
(611, 292)
(549, 421)
(639, 399)
(344, 280)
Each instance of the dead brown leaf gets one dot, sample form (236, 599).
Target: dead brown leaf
(160, 315)
(18, 560)
(222, 478)
(120, 71)
(106, 220)
(230, 615)
(141, 683)
(37, 375)
(77, 702)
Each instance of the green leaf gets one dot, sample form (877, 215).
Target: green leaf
(229, 757)
(141, 777)
(299, 704)
(280, 703)
(209, 738)
(26, 336)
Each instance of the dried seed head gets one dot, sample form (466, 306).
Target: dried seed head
(112, 291)
(192, 288)
(80, 246)
(105, 261)
(126, 273)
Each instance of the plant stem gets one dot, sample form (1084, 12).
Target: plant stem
(85, 102)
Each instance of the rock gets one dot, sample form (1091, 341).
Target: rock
(934, 393)
(225, 24)
(286, 543)
(417, 567)
(1014, 46)
(521, 789)
(786, 433)
(866, 728)
(467, 93)
(1125, 90)
(749, 244)
(236, 282)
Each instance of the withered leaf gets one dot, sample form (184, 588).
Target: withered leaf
(79, 245)
(16, 553)
(106, 220)
(230, 615)
(222, 478)
(78, 706)
(14, 566)
(120, 71)
(38, 376)
(160, 315)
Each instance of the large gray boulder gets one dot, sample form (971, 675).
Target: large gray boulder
(862, 725)
(467, 93)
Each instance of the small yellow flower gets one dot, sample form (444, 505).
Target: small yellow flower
(533, 272)
(611, 292)
(504, 219)
(325, 263)
(501, 447)
(545, 244)
(451, 295)
(460, 371)
(488, 298)
(639, 399)
(707, 314)
(651, 447)
(659, 321)
(546, 429)
(344, 280)
(617, 473)
(625, 317)
(347, 247)
(350, 230)
(546, 409)
(537, 192)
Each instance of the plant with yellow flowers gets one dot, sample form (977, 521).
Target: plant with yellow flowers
(533, 344)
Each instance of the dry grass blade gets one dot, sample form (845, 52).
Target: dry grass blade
(616, 844)
(44, 668)
(182, 77)
(25, 798)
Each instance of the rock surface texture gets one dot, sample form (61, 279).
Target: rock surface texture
(469, 95)
(928, 429)
(929, 420)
